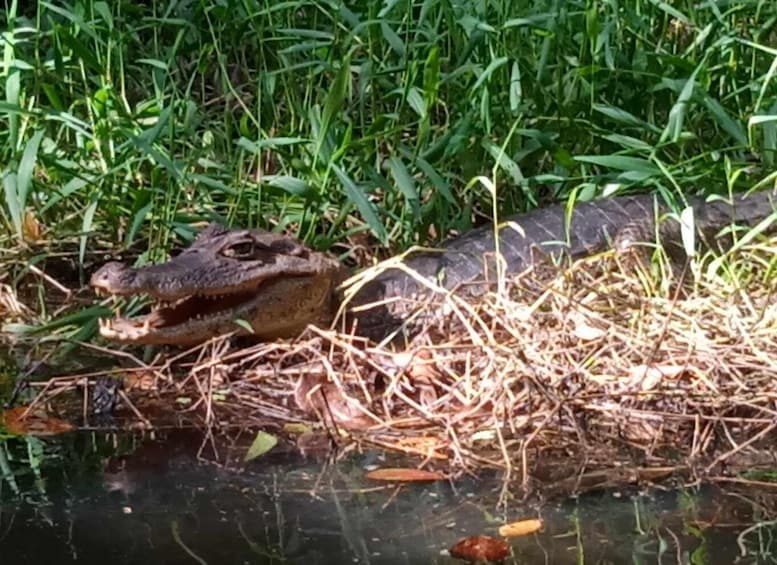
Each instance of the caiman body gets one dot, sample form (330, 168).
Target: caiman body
(228, 280)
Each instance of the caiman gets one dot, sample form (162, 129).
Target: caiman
(270, 284)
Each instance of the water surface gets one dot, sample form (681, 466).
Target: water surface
(100, 498)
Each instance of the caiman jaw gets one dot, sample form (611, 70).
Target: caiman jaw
(183, 321)
(277, 308)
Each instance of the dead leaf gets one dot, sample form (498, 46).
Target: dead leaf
(520, 528)
(648, 378)
(481, 548)
(329, 402)
(35, 423)
(402, 475)
(139, 380)
(32, 229)
(428, 446)
(586, 332)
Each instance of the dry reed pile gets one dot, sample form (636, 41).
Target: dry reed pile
(593, 361)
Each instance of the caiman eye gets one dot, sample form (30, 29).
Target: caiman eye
(242, 250)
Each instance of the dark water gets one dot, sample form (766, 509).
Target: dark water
(98, 498)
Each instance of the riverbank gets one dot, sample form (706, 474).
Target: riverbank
(608, 365)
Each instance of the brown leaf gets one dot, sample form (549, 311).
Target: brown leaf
(520, 528)
(32, 229)
(481, 548)
(428, 446)
(140, 380)
(35, 423)
(329, 402)
(403, 475)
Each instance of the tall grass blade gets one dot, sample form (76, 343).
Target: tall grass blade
(87, 225)
(12, 201)
(333, 103)
(27, 168)
(620, 163)
(12, 75)
(359, 199)
(405, 184)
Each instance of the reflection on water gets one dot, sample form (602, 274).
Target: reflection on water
(107, 499)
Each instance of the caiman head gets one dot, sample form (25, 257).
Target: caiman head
(269, 281)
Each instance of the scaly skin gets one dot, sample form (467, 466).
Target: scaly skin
(278, 286)
(268, 280)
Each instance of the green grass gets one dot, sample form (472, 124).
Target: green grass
(128, 121)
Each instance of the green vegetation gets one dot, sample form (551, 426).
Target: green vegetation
(127, 120)
(124, 124)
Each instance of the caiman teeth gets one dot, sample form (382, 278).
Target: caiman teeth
(166, 315)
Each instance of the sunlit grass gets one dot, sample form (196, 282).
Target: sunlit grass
(124, 124)
(128, 120)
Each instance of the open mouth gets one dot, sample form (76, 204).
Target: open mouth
(187, 320)
(269, 308)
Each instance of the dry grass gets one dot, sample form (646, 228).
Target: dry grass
(593, 362)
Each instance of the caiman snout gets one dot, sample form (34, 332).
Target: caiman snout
(114, 278)
(225, 281)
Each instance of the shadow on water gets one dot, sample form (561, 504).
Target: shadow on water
(104, 498)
